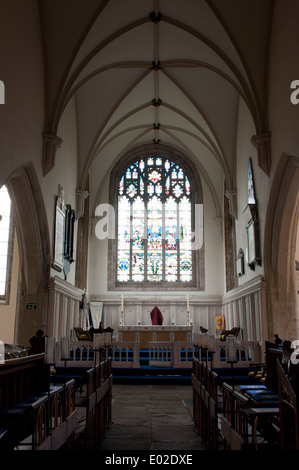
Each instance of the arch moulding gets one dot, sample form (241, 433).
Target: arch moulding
(279, 247)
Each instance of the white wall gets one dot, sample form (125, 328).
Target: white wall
(244, 151)
(64, 174)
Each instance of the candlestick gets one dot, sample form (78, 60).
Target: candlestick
(107, 339)
(98, 341)
(65, 347)
(204, 341)
(188, 312)
(231, 349)
(50, 350)
(122, 311)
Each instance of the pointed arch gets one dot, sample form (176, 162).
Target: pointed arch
(34, 246)
(279, 247)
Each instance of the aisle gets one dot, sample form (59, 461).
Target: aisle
(152, 417)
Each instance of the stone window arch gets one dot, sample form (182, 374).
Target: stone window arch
(157, 198)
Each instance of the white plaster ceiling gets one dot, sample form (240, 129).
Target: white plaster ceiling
(210, 52)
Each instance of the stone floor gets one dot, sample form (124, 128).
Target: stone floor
(152, 417)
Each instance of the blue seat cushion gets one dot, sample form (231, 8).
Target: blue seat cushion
(262, 395)
(13, 411)
(252, 387)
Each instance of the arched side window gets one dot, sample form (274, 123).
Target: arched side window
(154, 198)
(6, 243)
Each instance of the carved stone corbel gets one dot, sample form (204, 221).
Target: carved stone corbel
(262, 143)
(231, 195)
(81, 195)
(51, 144)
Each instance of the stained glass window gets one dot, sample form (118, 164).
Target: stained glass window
(154, 223)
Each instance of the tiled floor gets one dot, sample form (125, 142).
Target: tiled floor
(152, 417)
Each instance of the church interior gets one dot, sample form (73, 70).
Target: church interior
(149, 221)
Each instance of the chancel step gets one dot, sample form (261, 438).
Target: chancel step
(152, 375)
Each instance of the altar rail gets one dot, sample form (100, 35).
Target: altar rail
(124, 354)
(81, 354)
(163, 354)
(177, 354)
(248, 352)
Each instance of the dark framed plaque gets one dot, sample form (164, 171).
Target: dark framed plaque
(253, 248)
(59, 238)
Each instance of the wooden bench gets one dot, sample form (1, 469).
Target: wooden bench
(34, 413)
(92, 373)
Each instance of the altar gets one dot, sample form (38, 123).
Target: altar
(146, 334)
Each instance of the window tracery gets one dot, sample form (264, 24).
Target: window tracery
(154, 223)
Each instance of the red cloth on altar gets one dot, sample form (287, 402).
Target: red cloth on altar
(156, 316)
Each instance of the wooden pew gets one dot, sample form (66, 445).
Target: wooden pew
(91, 370)
(22, 378)
(24, 385)
(205, 403)
(288, 411)
(249, 414)
(33, 412)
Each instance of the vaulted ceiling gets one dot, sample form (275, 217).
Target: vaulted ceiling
(146, 71)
